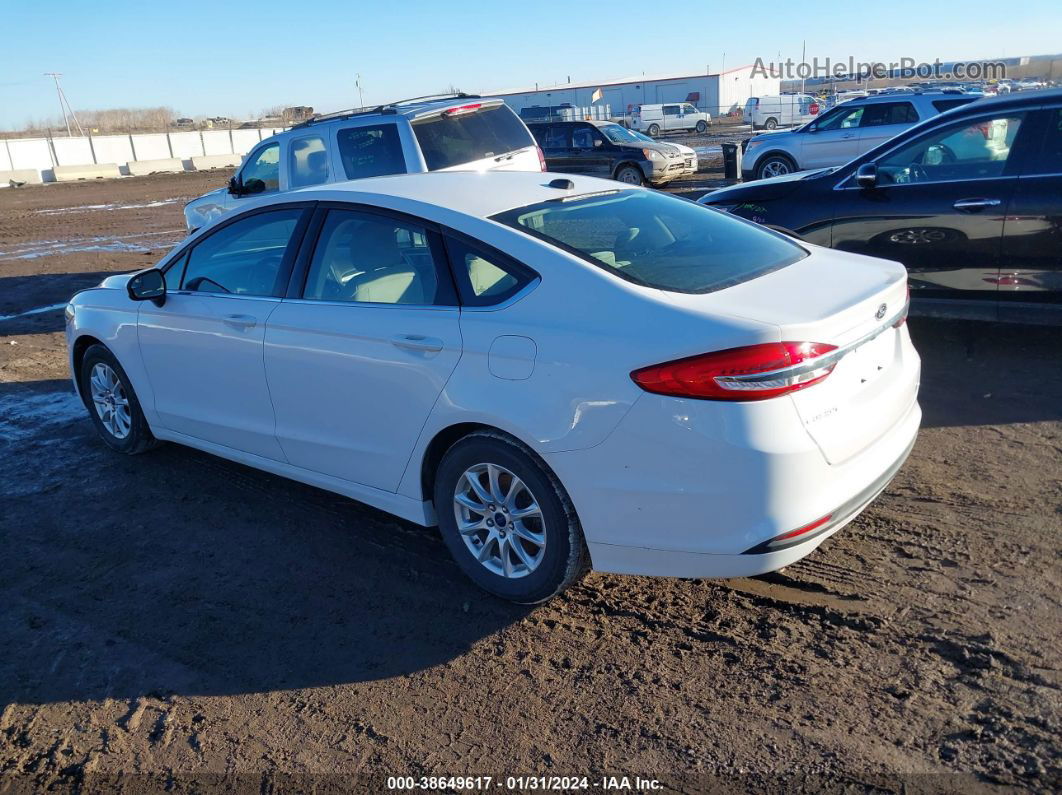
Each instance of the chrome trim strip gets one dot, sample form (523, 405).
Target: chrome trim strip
(819, 362)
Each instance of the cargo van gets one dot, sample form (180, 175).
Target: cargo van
(785, 110)
(668, 117)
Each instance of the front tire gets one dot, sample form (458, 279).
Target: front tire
(113, 404)
(507, 520)
(775, 166)
(702, 126)
(630, 175)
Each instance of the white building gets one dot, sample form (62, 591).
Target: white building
(719, 94)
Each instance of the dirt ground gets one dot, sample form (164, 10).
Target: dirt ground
(174, 621)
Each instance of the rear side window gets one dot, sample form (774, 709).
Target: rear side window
(947, 104)
(555, 137)
(484, 277)
(657, 240)
(457, 138)
(889, 113)
(371, 151)
(308, 162)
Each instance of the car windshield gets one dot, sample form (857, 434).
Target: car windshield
(454, 138)
(620, 135)
(656, 240)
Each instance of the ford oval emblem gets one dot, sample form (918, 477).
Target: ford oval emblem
(881, 311)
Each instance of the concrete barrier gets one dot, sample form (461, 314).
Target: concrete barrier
(72, 151)
(111, 149)
(96, 171)
(243, 141)
(186, 144)
(151, 146)
(30, 175)
(207, 162)
(138, 168)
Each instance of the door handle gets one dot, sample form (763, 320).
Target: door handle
(417, 342)
(975, 205)
(848, 135)
(239, 321)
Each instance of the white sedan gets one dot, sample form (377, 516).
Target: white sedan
(562, 373)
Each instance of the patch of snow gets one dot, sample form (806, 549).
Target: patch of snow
(23, 416)
(106, 207)
(137, 243)
(37, 311)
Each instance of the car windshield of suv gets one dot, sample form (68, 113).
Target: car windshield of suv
(457, 137)
(656, 240)
(620, 135)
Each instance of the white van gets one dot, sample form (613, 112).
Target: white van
(668, 117)
(785, 110)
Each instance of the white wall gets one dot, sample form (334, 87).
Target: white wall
(42, 154)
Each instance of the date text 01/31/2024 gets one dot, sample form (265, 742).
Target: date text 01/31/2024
(545, 783)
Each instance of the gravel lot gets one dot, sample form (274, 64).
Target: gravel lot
(174, 621)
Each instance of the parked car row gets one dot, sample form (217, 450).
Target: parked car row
(969, 200)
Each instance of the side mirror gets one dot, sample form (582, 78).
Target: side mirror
(598, 142)
(867, 176)
(253, 186)
(148, 286)
(235, 186)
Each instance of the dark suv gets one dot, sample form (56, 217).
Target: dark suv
(970, 201)
(605, 149)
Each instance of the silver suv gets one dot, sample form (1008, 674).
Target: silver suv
(842, 133)
(436, 133)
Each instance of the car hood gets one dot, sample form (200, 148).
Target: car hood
(665, 149)
(761, 189)
(118, 281)
(208, 196)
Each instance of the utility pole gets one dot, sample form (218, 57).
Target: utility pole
(64, 104)
(357, 82)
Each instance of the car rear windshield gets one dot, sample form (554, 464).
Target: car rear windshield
(657, 240)
(450, 140)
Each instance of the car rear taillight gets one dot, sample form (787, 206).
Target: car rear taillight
(754, 372)
(906, 308)
(462, 109)
(541, 159)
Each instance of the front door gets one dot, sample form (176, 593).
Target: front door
(939, 207)
(833, 139)
(589, 151)
(356, 363)
(203, 347)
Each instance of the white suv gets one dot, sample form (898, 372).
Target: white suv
(668, 117)
(435, 133)
(842, 133)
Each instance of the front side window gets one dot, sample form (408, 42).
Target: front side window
(484, 278)
(889, 113)
(583, 137)
(967, 150)
(244, 257)
(371, 151)
(688, 109)
(308, 162)
(263, 166)
(459, 136)
(657, 240)
(840, 119)
(374, 259)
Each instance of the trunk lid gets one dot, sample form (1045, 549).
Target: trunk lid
(850, 302)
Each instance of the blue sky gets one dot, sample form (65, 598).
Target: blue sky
(236, 57)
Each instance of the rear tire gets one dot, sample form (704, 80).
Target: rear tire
(653, 131)
(702, 126)
(509, 479)
(630, 175)
(112, 403)
(771, 123)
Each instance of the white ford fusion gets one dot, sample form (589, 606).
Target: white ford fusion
(561, 373)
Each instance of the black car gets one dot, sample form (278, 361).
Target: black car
(605, 149)
(970, 201)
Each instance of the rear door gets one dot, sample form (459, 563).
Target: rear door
(833, 139)
(882, 120)
(555, 140)
(479, 135)
(1030, 271)
(357, 356)
(939, 207)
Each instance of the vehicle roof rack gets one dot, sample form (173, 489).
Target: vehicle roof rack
(387, 108)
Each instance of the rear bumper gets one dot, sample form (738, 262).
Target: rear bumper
(681, 489)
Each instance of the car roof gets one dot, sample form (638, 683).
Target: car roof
(475, 193)
(403, 107)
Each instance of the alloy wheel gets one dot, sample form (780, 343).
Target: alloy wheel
(499, 520)
(111, 402)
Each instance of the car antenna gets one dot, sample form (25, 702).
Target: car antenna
(561, 184)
